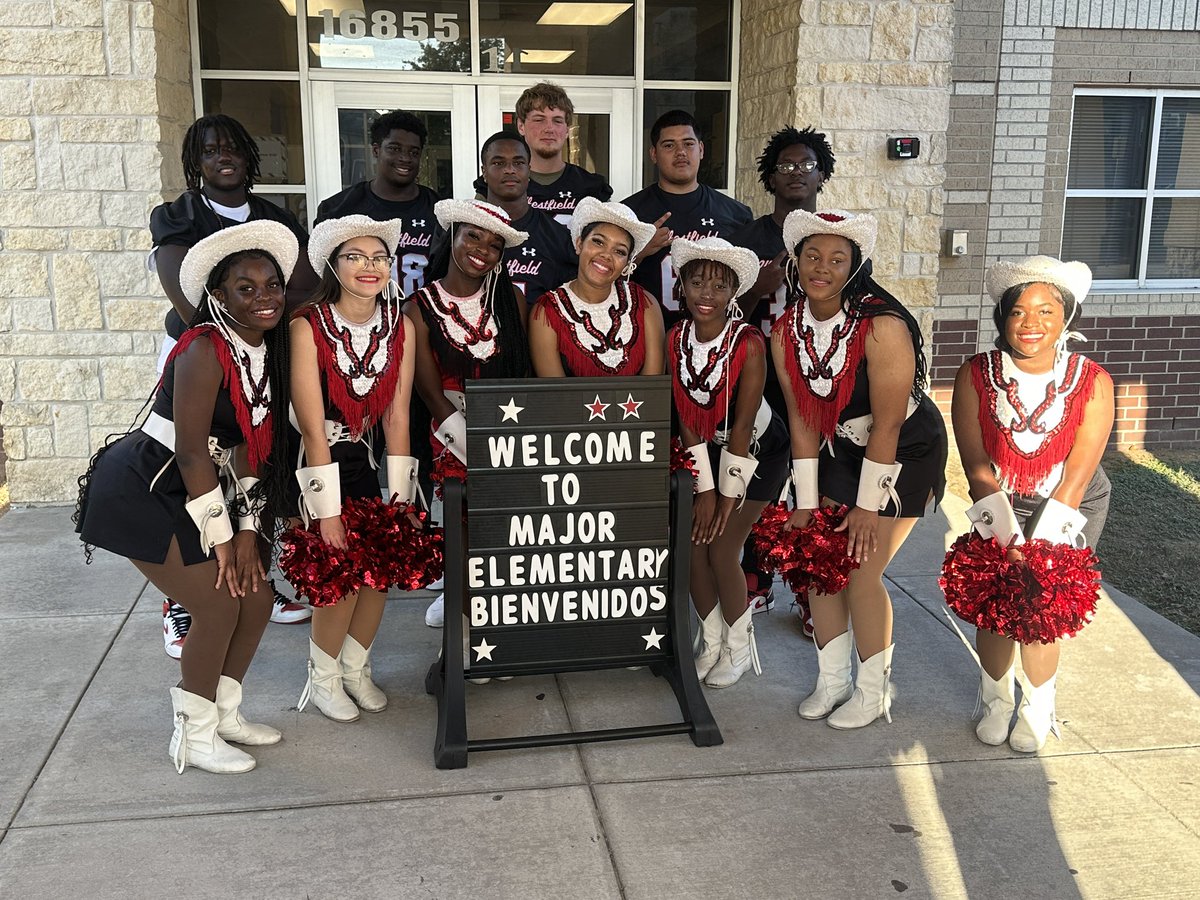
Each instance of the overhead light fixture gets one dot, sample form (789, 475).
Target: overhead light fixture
(337, 7)
(543, 57)
(343, 51)
(583, 13)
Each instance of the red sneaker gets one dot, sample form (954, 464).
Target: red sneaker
(805, 613)
(176, 622)
(761, 597)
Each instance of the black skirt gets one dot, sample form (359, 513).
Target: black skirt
(922, 451)
(359, 479)
(123, 515)
(1093, 507)
(774, 456)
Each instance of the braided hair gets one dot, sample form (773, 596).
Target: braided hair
(512, 360)
(790, 137)
(864, 298)
(227, 129)
(275, 478)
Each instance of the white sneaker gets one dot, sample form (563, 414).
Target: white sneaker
(435, 616)
(176, 622)
(288, 612)
(439, 585)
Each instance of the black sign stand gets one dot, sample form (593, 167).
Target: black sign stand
(529, 644)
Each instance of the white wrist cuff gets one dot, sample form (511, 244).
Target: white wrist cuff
(402, 478)
(453, 435)
(251, 520)
(736, 472)
(704, 473)
(320, 491)
(1057, 523)
(804, 478)
(211, 516)
(993, 517)
(877, 485)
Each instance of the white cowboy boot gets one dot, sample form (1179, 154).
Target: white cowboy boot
(324, 687)
(712, 629)
(356, 676)
(1035, 717)
(872, 694)
(997, 699)
(195, 741)
(739, 654)
(835, 679)
(231, 725)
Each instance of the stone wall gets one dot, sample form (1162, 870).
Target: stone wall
(861, 71)
(94, 95)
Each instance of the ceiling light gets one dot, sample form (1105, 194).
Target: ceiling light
(543, 57)
(583, 13)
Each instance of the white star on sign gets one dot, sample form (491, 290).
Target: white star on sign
(631, 407)
(484, 651)
(653, 639)
(511, 410)
(597, 409)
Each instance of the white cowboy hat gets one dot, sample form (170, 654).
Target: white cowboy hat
(484, 215)
(332, 233)
(743, 262)
(858, 228)
(1073, 279)
(592, 210)
(269, 236)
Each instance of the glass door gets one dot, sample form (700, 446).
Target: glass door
(342, 115)
(601, 138)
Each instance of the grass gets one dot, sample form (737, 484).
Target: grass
(1149, 546)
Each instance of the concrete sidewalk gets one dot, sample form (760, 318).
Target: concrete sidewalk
(90, 805)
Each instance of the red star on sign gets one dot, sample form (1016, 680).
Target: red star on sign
(596, 408)
(631, 406)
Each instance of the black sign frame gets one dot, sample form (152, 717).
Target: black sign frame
(551, 647)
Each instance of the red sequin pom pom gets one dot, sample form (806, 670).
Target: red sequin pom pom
(446, 466)
(681, 458)
(410, 555)
(318, 571)
(1049, 592)
(811, 559)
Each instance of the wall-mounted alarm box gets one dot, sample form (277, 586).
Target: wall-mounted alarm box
(904, 147)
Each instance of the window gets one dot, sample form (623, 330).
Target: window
(1133, 187)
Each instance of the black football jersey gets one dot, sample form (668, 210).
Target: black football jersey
(702, 213)
(421, 229)
(543, 262)
(765, 238)
(560, 198)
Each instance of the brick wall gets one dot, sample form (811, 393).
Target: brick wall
(1154, 362)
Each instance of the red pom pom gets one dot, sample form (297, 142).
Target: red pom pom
(681, 458)
(412, 553)
(810, 559)
(316, 570)
(446, 466)
(1048, 593)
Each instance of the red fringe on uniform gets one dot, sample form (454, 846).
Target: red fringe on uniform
(704, 420)
(582, 363)
(258, 440)
(810, 559)
(360, 413)
(822, 413)
(1049, 593)
(1021, 472)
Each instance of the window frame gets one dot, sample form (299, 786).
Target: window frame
(1147, 194)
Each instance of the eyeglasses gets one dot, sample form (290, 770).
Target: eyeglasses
(361, 262)
(789, 168)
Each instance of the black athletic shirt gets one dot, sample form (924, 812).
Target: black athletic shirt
(543, 262)
(421, 229)
(189, 219)
(560, 197)
(765, 238)
(702, 213)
